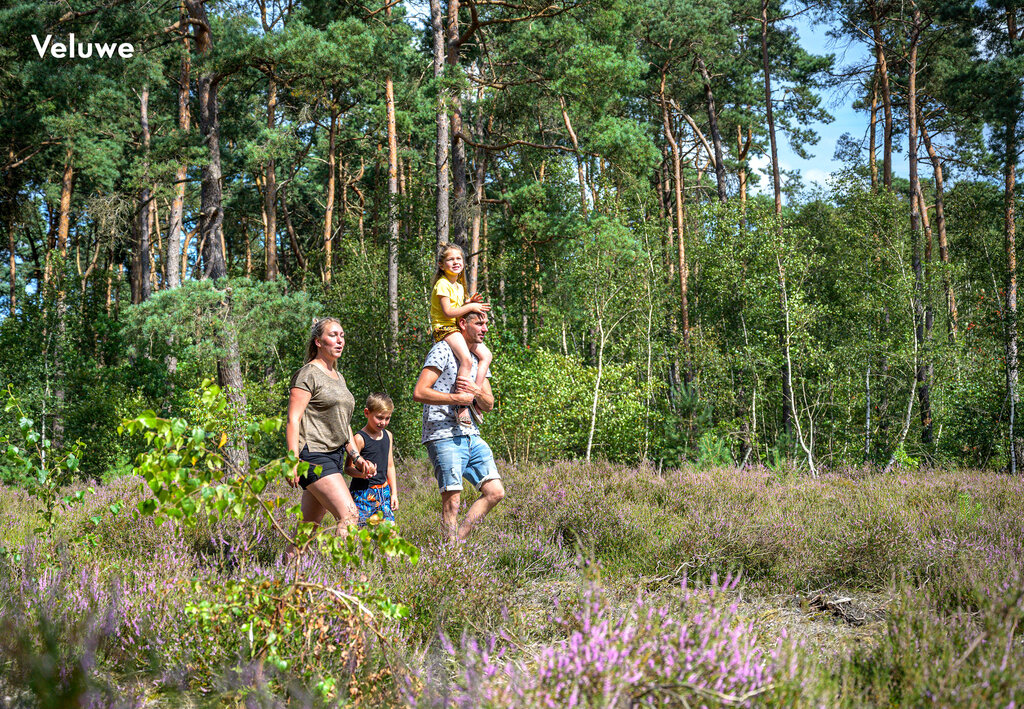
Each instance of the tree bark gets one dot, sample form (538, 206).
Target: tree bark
(872, 133)
(478, 198)
(393, 226)
(211, 220)
(13, 261)
(923, 380)
(140, 281)
(229, 377)
(684, 275)
(441, 154)
(579, 158)
(332, 169)
(769, 116)
(716, 135)
(787, 374)
(1010, 232)
(883, 75)
(460, 212)
(270, 190)
(175, 228)
(211, 217)
(940, 230)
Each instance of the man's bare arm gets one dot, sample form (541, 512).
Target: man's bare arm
(483, 394)
(424, 392)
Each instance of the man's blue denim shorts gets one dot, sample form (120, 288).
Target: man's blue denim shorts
(461, 457)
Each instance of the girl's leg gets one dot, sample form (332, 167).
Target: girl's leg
(461, 349)
(484, 355)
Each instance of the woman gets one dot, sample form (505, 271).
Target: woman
(319, 432)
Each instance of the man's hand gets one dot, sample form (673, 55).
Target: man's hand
(465, 391)
(466, 385)
(293, 479)
(394, 502)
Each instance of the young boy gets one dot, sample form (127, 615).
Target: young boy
(375, 443)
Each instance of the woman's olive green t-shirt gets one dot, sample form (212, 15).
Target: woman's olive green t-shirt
(325, 422)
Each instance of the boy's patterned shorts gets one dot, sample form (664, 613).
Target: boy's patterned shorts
(371, 500)
(442, 331)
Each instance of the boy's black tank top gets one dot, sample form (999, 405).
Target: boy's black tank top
(375, 452)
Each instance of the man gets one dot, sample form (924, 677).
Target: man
(456, 449)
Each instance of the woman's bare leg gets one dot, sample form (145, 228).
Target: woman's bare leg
(333, 495)
(328, 494)
(312, 511)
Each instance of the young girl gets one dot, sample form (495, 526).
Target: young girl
(447, 302)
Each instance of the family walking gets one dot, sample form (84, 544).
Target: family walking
(454, 391)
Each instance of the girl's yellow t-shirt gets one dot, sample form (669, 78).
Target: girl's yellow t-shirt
(456, 296)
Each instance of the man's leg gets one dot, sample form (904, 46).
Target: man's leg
(491, 493)
(449, 456)
(450, 514)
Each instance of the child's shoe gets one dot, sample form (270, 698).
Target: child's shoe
(476, 413)
(464, 416)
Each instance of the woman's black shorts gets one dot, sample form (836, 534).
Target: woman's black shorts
(320, 464)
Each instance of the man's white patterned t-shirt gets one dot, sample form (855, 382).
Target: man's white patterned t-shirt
(441, 422)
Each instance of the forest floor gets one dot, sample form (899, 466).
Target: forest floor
(891, 588)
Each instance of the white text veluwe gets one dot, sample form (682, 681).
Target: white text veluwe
(82, 50)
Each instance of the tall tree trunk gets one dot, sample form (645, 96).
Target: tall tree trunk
(175, 228)
(211, 217)
(883, 76)
(229, 376)
(393, 226)
(872, 135)
(141, 283)
(12, 257)
(211, 220)
(332, 169)
(579, 158)
(1010, 231)
(478, 197)
(460, 212)
(742, 149)
(940, 229)
(293, 239)
(716, 135)
(787, 375)
(923, 380)
(664, 209)
(769, 115)
(441, 155)
(59, 350)
(684, 275)
(270, 190)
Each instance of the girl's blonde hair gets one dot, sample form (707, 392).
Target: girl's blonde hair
(441, 253)
(315, 333)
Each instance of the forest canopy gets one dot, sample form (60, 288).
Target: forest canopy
(181, 214)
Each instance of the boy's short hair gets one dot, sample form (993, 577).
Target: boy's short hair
(379, 403)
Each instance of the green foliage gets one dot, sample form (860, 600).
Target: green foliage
(543, 408)
(43, 471)
(191, 480)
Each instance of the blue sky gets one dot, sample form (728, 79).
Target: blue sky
(838, 102)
